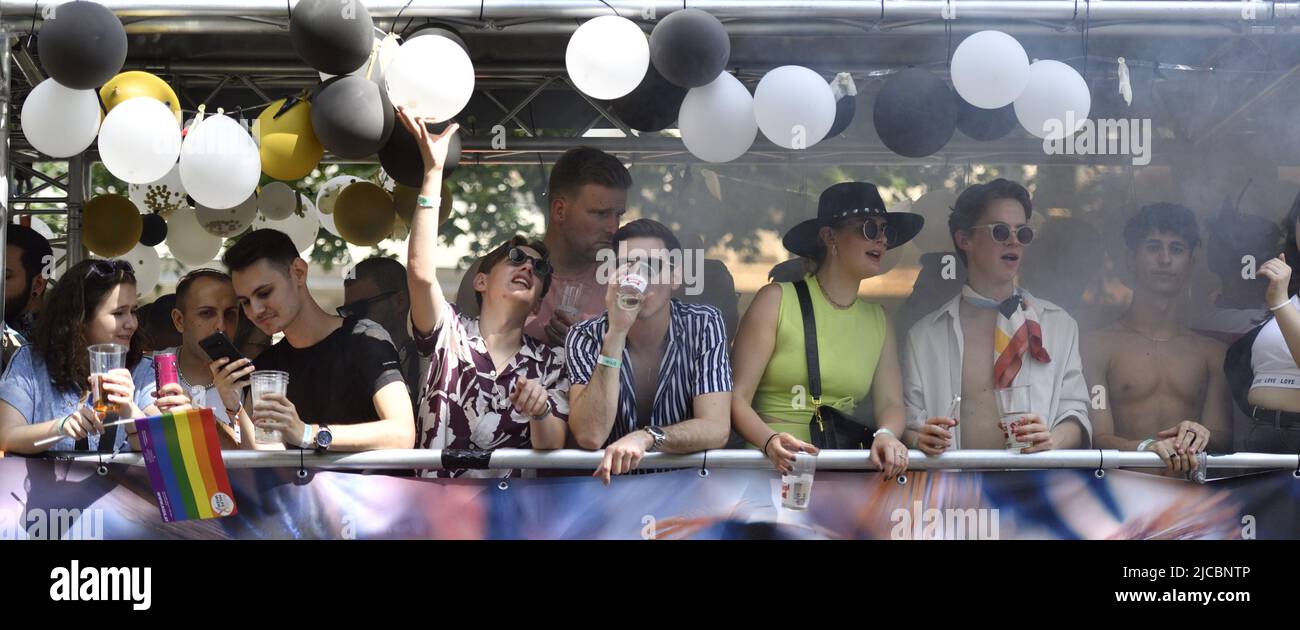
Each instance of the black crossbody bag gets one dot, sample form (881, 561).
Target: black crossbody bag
(829, 427)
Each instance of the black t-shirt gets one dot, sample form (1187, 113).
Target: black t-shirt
(333, 382)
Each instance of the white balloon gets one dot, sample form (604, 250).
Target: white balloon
(430, 76)
(302, 230)
(188, 241)
(794, 107)
(220, 164)
(990, 69)
(148, 268)
(139, 140)
(277, 201)
(717, 120)
(607, 57)
(60, 121)
(328, 193)
(227, 222)
(163, 196)
(1056, 100)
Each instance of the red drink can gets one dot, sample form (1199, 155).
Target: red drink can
(165, 369)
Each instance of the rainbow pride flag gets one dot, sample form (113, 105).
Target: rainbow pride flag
(186, 471)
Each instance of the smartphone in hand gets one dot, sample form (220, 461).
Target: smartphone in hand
(219, 346)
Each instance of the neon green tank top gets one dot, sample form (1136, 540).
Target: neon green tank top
(849, 343)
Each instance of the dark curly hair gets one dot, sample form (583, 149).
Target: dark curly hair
(60, 339)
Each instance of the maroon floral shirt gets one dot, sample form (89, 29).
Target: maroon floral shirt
(465, 403)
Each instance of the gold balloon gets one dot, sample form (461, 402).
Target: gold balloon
(364, 214)
(289, 147)
(111, 225)
(404, 199)
(135, 83)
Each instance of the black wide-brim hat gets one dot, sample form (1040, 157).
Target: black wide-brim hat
(848, 199)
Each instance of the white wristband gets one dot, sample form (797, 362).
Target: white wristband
(306, 436)
(1279, 306)
(883, 430)
(1142, 446)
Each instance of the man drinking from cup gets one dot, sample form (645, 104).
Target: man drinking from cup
(993, 337)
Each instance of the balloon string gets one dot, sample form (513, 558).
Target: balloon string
(399, 16)
(1087, 18)
(374, 52)
(616, 10)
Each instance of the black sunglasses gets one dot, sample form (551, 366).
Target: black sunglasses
(516, 256)
(872, 231)
(109, 268)
(360, 307)
(1002, 232)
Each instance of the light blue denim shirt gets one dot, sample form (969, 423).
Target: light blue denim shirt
(27, 387)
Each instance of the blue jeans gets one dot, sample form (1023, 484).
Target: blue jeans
(1267, 437)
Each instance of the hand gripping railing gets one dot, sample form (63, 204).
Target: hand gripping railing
(504, 459)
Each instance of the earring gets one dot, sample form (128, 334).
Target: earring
(835, 250)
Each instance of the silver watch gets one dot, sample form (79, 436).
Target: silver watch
(659, 437)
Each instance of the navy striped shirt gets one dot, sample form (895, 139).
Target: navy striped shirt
(695, 363)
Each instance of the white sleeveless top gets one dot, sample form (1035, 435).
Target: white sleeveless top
(1271, 360)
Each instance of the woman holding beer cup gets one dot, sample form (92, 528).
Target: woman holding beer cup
(50, 394)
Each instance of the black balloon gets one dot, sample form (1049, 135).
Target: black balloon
(154, 231)
(985, 124)
(351, 116)
(845, 108)
(652, 106)
(331, 36)
(82, 45)
(915, 113)
(690, 48)
(401, 158)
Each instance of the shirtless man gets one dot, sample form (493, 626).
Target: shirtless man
(1165, 387)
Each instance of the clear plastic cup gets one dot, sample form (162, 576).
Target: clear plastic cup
(1013, 405)
(268, 382)
(570, 297)
(796, 487)
(632, 284)
(104, 357)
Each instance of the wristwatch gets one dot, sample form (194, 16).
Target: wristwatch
(659, 437)
(323, 439)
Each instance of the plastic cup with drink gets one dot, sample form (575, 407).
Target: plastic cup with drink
(570, 297)
(633, 280)
(1013, 405)
(265, 382)
(796, 486)
(104, 357)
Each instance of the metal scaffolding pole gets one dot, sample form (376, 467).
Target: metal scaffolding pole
(78, 192)
(505, 459)
(648, 10)
(249, 16)
(4, 156)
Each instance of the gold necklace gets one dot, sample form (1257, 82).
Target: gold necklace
(833, 302)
